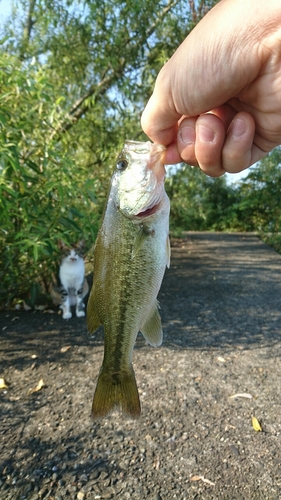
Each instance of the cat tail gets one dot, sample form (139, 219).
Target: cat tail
(116, 389)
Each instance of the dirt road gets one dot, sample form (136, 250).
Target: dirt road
(221, 313)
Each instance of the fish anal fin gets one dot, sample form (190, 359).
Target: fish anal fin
(93, 320)
(116, 390)
(152, 328)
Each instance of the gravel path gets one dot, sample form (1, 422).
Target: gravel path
(220, 306)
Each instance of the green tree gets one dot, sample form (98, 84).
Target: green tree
(74, 79)
(260, 198)
(201, 203)
(43, 196)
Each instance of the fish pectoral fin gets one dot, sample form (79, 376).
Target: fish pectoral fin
(93, 320)
(116, 389)
(141, 237)
(168, 251)
(152, 328)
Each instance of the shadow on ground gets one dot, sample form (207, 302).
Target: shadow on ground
(221, 289)
(221, 314)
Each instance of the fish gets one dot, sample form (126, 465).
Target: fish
(132, 251)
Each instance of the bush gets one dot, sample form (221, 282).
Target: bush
(44, 195)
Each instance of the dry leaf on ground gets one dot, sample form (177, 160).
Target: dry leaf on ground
(41, 307)
(26, 306)
(242, 395)
(202, 478)
(39, 386)
(65, 348)
(3, 384)
(256, 424)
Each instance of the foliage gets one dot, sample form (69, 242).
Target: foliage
(260, 199)
(75, 76)
(201, 203)
(43, 195)
(260, 194)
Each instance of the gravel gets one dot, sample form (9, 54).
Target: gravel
(219, 366)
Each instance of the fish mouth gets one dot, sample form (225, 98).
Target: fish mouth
(148, 211)
(153, 204)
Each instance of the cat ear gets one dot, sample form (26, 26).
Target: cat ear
(61, 245)
(81, 244)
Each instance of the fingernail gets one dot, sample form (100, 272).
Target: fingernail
(205, 134)
(187, 135)
(238, 127)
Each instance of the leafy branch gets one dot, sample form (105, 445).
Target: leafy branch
(29, 23)
(79, 109)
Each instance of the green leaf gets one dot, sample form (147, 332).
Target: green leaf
(67, 104)
(77, 213)
(68, 223)
(92, 196)
(35, 252)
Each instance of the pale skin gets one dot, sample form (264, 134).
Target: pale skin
(217, 101)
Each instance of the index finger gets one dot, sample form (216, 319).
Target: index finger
(160, 119)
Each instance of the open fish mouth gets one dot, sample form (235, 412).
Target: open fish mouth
(153, 203)
(148, 211)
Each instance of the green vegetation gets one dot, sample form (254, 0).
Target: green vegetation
(74, 79)
(201, 203)
(43, 194)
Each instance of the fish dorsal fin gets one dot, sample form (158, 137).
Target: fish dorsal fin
(143, 234)
(168, 251)
(93, 320)
(152, 328)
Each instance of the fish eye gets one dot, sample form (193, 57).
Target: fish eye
(121, 165)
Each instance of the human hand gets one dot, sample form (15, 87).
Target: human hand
(217, 101)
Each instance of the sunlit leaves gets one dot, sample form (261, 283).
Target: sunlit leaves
(199, 202)
(202, 203)
(74, 79)
(41, 187)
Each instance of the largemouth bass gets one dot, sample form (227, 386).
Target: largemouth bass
(131, 253)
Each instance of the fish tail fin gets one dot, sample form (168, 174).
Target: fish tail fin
(116, 389)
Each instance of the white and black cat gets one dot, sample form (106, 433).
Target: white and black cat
(73, 286)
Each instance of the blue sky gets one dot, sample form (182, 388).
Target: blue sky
(5, 8)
